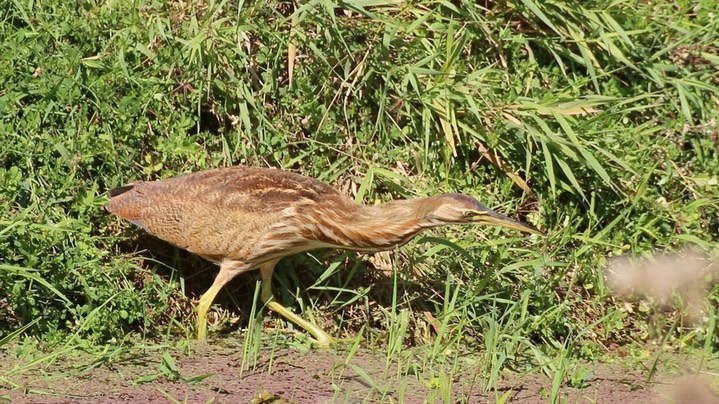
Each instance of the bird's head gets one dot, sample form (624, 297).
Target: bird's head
(459, 209)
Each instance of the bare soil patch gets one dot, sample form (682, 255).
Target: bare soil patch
(292, 376)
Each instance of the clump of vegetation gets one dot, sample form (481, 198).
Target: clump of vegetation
(596, 122)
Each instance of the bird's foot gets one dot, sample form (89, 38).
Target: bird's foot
(324, 343)
(328, 342)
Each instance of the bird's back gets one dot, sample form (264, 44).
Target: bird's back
(219, 213)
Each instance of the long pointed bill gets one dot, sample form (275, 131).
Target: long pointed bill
(493, 218)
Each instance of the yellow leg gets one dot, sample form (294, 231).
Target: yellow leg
(324, 340)
(203, 307)
(228, 270)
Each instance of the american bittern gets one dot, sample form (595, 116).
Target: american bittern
(245, 218)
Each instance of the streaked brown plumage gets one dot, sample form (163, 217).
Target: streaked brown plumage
(246, 218)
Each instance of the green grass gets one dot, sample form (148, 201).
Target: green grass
(594, 121)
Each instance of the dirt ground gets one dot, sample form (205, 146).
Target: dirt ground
(292, 376)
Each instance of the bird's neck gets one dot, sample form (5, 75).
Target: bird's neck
(381, 227)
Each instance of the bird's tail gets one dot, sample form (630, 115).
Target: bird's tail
(114, 193)
(120, 190)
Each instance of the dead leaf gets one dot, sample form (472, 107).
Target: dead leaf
(291, 50)
(497, 161)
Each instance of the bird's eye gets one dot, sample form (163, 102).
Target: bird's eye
(468, 213)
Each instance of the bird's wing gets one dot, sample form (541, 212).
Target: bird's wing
(251, 189)
(219, 212)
